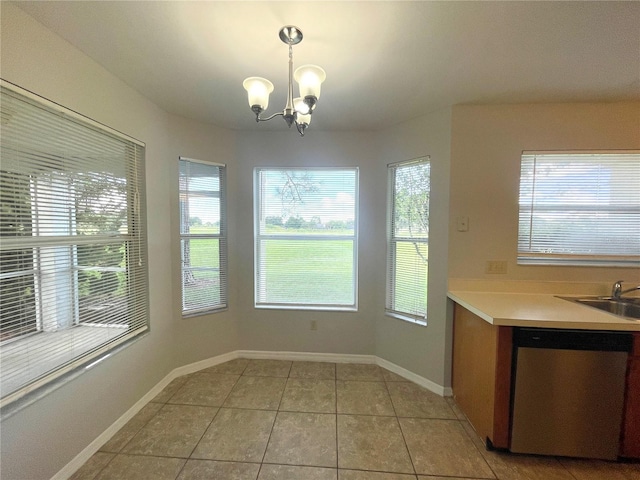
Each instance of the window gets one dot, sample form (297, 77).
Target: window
(408, 240)
(203, 242)
(306, 238)
(73, 261)
(580, 209)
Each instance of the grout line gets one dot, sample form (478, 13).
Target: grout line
(395, 412)
(404, 440)
(244, 368)
(495, 475)
(259, 469)
(367, 415)
(184, 382)
(105, 465)
(136, 432)
(203, 433)
(155, 456)
(185, 463)
(273, 425)
(275, 418)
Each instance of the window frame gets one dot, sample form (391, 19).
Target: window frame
(220, 237)
(136, 321)
(393, 240)
(258, 237)
(528, 208)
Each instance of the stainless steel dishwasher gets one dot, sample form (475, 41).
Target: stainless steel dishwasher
(569, 392)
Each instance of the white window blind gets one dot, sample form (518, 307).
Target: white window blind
(203, 242)
(408, 240)
(306, 238)
(580, 208)
(73, 269)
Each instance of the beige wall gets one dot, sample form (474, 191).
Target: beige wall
(486, 144)
(289, 330)
(201, 337)
(422, 350)
(43, 437)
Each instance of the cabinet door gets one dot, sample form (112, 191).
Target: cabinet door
(482, 374)
(630, 446)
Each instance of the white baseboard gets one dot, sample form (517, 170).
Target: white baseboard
(307, 356)
(202, 364)
(80, 459)
(422, 381)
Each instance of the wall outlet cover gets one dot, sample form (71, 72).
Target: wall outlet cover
(462, 224)
(496, 267)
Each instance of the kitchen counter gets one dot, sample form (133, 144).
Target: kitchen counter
(484, 323)
(538, 310)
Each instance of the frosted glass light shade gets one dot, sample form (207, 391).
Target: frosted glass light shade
(258, 89)
(309, 78)
(301, 107)
(303, 118)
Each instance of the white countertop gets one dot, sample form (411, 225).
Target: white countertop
(538, 310)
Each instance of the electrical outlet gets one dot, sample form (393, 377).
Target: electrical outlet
(314, 325)
(496, 266)
(462, 224)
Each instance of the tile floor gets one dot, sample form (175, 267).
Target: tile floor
(281, 420)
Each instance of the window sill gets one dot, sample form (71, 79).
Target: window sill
(577, 262)
(406, 318)
(202, 313)
(12, 407)
(307, 308)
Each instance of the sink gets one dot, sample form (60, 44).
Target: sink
(622, 307)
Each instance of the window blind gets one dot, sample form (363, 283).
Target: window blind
(203, 242)
(580, 208)
(73, 268)
(306, 238)
(408, 240)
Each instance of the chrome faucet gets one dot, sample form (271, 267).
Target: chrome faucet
(617, 292)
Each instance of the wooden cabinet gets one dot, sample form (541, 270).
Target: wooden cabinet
(630, 438)
(481, 381)
(481, 371)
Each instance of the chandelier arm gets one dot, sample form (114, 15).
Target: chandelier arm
(277, 114)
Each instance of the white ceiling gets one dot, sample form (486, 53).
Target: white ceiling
(385, 61)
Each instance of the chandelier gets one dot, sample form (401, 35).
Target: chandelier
(309, 77)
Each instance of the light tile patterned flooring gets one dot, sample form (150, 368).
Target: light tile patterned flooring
(281, 420)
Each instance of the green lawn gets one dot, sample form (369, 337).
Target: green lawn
(315, 271)
(202, 286)
(306, 272)
(411, 278)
